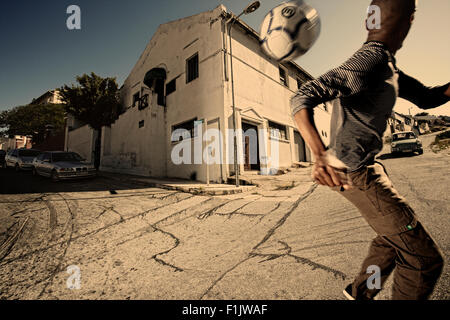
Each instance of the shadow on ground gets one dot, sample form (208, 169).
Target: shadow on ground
(395, 156)
(12, 182)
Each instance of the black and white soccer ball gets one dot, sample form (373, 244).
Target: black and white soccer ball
(289, 30)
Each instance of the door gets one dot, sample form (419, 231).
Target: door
(251, 147)
(300, 148)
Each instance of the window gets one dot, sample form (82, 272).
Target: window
(171, 87)
(46, 157)
(141, 123)
(403, 136)
(192, 68)
(66, 157)
(299, 83)
(186, 130)
(136, 99)
(29, 153)
(277, 131)
(283, 76)
(144, 102)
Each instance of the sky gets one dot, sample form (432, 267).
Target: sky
(38, 53)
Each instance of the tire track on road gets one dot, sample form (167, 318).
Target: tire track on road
(68, 243)
(268, 235)
(93, 232)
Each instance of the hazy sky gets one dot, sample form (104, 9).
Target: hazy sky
(38, 52)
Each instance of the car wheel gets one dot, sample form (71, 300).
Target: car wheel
(420, 151)
(16, 167)
(4, 165)
(55, 176)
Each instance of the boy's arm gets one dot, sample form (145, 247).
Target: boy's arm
(322, 172)
(350, 78)
(422, 96)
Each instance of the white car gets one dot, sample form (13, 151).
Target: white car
(21, 159)
(59, 165)
(405, 142)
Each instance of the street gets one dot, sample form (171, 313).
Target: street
(129, 241)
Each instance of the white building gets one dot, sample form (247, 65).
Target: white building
(49, 97)
(15, 142)
(183, 79)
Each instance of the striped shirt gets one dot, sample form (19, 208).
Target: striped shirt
(363, 92)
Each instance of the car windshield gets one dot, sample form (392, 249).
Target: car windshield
(403, 136)
(28, 153)
(66, 156)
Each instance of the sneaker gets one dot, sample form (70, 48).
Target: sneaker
(348, 292)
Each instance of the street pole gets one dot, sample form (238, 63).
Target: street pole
(252, 7)
(236, 164)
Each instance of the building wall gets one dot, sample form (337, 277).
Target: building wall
(148, 150)
(259, 98)
(81, 141)
(127, 147)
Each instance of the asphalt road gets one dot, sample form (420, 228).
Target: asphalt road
(132, 242)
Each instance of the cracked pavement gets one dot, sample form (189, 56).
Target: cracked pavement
(133, 242)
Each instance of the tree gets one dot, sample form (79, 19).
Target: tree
(33, 120)
(94, 101)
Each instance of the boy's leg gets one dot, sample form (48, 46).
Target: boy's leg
(419, 264)
(382, 255)
(418, 259)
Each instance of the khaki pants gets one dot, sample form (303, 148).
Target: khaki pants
(402, 242)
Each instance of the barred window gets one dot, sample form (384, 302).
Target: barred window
(186, 130)
(277, 131)
(136, 98)
(283, 76)
(299, 83)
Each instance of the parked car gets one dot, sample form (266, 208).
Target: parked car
(2, 159)
(21, 159)
(59, 165)
(405, 142)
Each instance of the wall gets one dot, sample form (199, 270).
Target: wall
(259, 97)
(81, 141)
(128, 148)
(147, 150)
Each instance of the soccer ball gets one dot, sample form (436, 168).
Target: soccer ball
(289, 30)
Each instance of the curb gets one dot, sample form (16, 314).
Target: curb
(194, 191)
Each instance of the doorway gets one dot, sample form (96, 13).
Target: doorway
(299, 147)
(251, 146)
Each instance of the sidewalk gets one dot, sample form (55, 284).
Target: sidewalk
(188, 186)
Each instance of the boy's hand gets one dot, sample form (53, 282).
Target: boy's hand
(332, 176)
